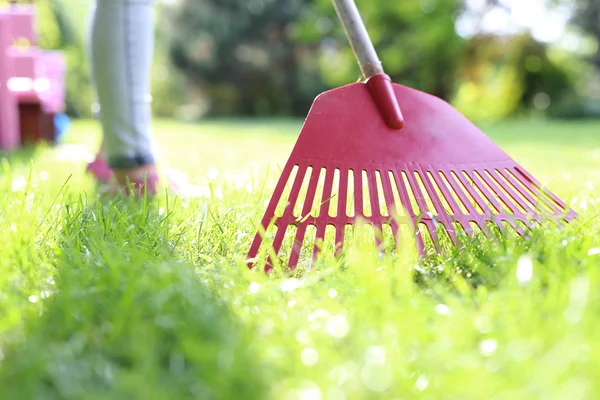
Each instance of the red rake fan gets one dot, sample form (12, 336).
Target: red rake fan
(356, 159)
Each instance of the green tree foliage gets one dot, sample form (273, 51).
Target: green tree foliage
(501, 77)
(415, 40)
(274, 56)
(587, 17)
(242, 54)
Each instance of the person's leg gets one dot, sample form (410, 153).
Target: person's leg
(121, 51)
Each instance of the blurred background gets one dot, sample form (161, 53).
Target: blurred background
(492, 59)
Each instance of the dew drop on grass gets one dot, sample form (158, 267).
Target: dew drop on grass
(308, 391)
(524, 269)
(422, 383)
(213, 173)
(593, 252)
(309, 357)
(254, 286)
(375, 355)
(303, 336)
(290, 285)
(376, 378)
(442, 309)
(318, 314)
(316, 318)
(337, 326)
(18, 184)
(488, 347)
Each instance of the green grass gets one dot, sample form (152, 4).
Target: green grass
(104, 299)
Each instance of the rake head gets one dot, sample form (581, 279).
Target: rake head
(440, 173)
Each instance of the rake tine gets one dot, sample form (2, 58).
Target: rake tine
(389, 195)
(452, 235)
(327, 189)
(256, 242)
(404, 198)
(497, 189)
(424, 210)
(484, 227)
(289, 209)
(453, 178)
(449, 233)
(433, 232)
(469, 187)
(343, 195)
(512, 224)
(310, 196)
(373, 194)
(287, 214)
(375, 209)
(515, 197)
(479, 183)
(339, 240)
(395, 232)
(442, 216)
(459, 230)
(358, 194)
(420, 243)
(305, 215)
(319, 240)
(525, 193)
(270, 212)
(297, 247)
(419, 238)
(378, 233)
(277, 241)
(253, 252)
(445, 192)
(521, 227)
(326, 196)
(544, 194)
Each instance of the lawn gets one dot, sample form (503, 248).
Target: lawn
(113, 299)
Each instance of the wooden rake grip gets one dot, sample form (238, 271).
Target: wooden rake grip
(379, 84)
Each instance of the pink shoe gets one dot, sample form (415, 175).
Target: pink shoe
(149, 185)
(100, 170)
(167, 179)
(175, 181)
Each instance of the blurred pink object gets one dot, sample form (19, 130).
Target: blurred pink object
(100, 170)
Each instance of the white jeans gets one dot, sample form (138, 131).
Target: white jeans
(121, 48)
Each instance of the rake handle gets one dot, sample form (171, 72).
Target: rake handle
(379, 84)
(359, 39)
